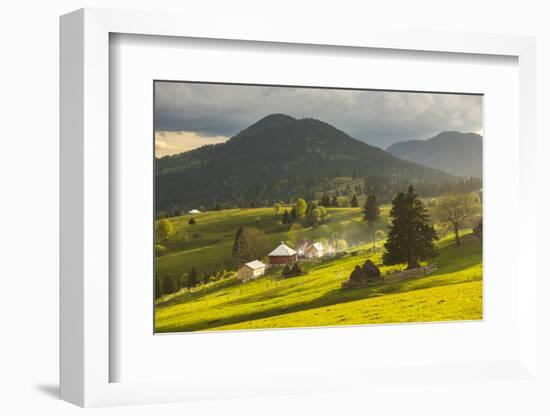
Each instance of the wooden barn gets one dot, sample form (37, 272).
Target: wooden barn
(283, 254)
(315, 251)
(251, 270)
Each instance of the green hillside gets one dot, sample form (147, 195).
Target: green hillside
(453, 292)
(207, 244)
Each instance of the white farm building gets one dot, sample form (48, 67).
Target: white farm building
(251, 270)
(194, 211)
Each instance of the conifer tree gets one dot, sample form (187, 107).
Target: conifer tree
(354, 202)
(411, 236)
(237, 241)
(158, 288)
(372, 216)
(168, 285)
(193, 278)
(286, 217)
(293, 214)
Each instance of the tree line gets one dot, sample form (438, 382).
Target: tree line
(308, 214)
(384, 187)
(411, 234)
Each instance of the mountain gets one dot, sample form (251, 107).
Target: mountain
(456, 153)
(278, 158)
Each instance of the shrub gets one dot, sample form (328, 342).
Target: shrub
(296, 270)
(192, 221)
(164, 229)
(286, 271)
(293, 271)
(227, 274)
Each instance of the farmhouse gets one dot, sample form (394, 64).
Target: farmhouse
(283, 254)
(302, 246)
(251, 270)
(194, 211)
(314, 251)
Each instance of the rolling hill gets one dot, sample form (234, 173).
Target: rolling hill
(453, 292)
(456, 153)
(278, 158)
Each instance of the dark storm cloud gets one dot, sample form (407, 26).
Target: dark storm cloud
(379, 118)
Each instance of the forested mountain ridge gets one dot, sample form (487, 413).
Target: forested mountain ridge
(279, 158)
(456, 153)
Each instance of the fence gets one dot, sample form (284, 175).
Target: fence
(391, 278)
(409, 274)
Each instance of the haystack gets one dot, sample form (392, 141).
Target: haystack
(371, 270)
(367, 275)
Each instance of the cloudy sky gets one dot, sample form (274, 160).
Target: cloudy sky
(189, 115)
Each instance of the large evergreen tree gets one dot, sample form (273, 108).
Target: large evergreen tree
(237, 241)
(286, 218)
(354, 203)
(411, 236)
(372, 215)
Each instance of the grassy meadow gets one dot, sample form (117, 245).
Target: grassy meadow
(453, 292)
(207, 244)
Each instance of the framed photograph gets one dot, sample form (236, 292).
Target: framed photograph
(324, 211)
(291, 222)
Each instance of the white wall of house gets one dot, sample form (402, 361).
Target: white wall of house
(246, 273)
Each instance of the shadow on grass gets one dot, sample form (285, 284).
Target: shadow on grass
(198, 295)
(334, 297)
(461, 258)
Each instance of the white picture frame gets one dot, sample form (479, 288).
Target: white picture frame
(85, 211)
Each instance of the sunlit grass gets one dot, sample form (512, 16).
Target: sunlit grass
(207, 244)
(453, 292)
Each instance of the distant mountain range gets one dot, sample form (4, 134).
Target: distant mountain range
(279, 158)
(456, 153)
